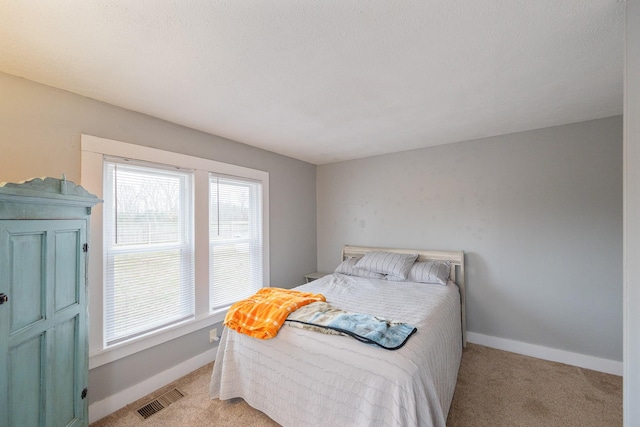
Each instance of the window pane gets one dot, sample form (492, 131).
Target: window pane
(148, 293)
(149, 273)
(148, 206)
(235, 236)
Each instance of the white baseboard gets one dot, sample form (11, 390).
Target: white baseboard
(104, 407)
(576, 359)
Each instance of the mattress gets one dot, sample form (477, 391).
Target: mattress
(307, 378)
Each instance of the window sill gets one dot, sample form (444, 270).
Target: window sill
(119, 351)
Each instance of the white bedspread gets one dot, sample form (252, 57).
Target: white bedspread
(306, 378)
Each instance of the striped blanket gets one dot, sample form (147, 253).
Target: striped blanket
(262, 314)
(322, 317)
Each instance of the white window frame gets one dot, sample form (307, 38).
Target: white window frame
(253, 240)
(93, 150)
(182, 247)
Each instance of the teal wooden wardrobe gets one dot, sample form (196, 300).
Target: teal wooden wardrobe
(44, 237)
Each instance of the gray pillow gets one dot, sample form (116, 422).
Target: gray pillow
(393, 264)
(348, 266)
(430, 272)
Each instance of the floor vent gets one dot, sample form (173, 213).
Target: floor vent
(160, 403)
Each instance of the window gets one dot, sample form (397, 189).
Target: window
(235, 239)
(177, 240)
(148, 248)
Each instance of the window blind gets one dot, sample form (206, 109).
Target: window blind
(235, 239)
(149, 249)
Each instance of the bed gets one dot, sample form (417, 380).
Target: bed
(307, 378)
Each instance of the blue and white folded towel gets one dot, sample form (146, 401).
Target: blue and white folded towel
(322, 317)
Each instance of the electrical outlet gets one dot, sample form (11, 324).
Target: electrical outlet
(213, 335)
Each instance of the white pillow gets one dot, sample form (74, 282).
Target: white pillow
(348, 266)
(430, 272)
(393, 264)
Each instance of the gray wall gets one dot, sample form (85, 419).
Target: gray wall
(631, 373)
(538, 214)
(40, 130)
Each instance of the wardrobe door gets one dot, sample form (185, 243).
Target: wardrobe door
(43, 323)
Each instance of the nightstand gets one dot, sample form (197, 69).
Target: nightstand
(313, 276)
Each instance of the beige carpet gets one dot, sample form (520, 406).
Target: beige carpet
(497, 388)
(494, 388)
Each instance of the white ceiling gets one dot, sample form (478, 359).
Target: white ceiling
(329, 80)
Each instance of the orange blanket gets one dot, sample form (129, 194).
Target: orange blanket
(262, 314)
